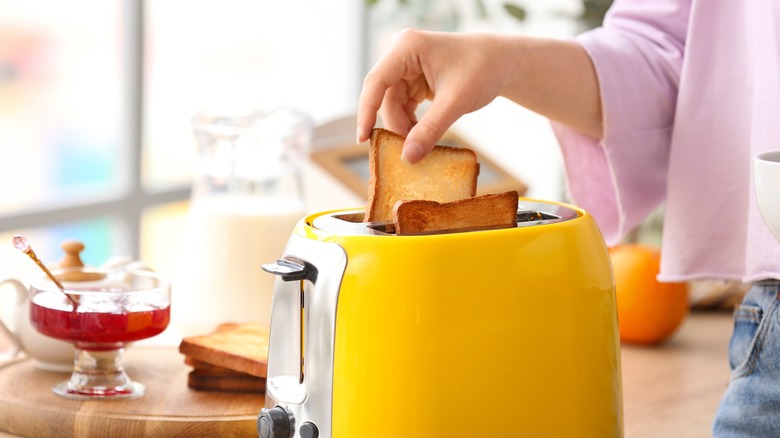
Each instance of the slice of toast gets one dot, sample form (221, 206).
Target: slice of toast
(237, 382)
(444, 175)
(243, 348)
(205, 367)
(207, 377)
(492, 211)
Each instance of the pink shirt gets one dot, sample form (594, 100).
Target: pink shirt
(690, 92)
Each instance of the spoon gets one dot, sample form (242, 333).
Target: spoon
(23, 245)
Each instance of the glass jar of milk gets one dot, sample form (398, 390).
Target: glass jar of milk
(246, 199)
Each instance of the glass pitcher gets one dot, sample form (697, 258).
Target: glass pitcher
(246, 198)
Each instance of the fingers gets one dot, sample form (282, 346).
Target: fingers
(400, 81)
(387, 86)
(397, 109)
(370, 101)
(386, 78)
(394, 109)
(431, 127)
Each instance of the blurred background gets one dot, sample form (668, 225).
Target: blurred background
(97, 96)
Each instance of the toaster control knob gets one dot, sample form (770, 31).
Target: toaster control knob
(308, 430)
(275, 423)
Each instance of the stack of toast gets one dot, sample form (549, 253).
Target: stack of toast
(435, 195)
(233, 358)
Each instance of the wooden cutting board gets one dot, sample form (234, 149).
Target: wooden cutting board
(169, 408)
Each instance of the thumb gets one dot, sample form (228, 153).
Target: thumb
(428, 131)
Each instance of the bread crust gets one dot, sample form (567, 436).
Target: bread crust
(243, 348)
(445, 174)
(205, 367)
(491, 211)
(237, 382)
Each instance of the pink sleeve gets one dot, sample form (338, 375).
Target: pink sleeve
(637, 56)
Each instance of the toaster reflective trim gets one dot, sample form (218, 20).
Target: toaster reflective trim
(293, 270)
(311, 400)
(529, 213)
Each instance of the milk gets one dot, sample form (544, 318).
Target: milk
(220, 277)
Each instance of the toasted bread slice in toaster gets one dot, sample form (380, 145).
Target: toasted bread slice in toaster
(491, 211)
(243, 348)
(444, 175)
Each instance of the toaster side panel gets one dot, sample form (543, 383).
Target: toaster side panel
(437, 335)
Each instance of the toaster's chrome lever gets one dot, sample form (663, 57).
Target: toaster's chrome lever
(291, 269)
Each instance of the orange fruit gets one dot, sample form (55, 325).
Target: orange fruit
(649, 312)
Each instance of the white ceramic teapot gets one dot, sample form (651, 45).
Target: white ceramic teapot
(46, 353)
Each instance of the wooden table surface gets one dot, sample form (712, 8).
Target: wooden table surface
(168, 409)
(672, 390)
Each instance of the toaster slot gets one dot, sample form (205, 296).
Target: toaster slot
(535, 217)
(384, 228)
(524, 218)
(350, 222)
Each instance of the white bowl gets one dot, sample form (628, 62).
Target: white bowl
(766, 178)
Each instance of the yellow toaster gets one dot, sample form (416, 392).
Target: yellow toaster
(508, 332)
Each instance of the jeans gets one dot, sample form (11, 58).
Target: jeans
(751, 404)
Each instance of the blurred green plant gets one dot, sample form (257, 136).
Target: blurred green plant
(592, 14)
(515, 10)
(425, 10)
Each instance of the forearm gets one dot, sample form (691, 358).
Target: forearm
(554, 78)
(462, 73)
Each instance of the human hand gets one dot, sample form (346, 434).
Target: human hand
(459, 73)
